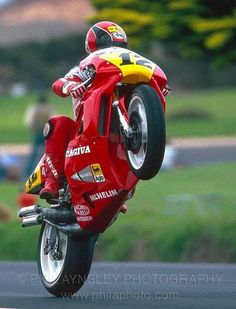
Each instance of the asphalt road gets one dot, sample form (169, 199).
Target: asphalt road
(181, 151)
(126, 285)
(200, 151)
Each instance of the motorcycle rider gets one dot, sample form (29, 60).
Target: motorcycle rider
(59, 130)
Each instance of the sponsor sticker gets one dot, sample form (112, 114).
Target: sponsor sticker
(77, 151)
(92, 173)
(43, 171)
(84, 175)
(112, 29)
(81, 210)
(87, 218)
(32, 179)
(118, 35)
(97, 172)
(51, 166)
(103, 195)
(75, 176)
(117, 32)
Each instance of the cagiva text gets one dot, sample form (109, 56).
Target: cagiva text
(77, 151)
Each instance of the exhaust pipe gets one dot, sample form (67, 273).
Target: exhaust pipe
(36, 215)
(29, 211)
(59, 215)
(32, 220)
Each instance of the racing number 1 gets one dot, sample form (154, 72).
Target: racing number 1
(125, 59)
(141, 61)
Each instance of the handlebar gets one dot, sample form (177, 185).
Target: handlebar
(91, 73)
(87, 82)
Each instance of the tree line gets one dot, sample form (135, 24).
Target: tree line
(189, 28)
(38, 64)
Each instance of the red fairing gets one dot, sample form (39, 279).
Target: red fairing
(160, 77)
(159, 82)
(96, 166)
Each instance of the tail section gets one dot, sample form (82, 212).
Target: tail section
(36, 180)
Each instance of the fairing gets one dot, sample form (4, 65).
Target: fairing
(96, 166)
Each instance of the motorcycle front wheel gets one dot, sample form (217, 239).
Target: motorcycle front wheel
(63, 262)
(146, 147)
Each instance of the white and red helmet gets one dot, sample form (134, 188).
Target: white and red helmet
(105, 34)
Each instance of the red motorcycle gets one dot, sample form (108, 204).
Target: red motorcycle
(121, 139)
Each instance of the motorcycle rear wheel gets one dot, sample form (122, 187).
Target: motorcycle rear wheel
(63, 262)
(146, 147)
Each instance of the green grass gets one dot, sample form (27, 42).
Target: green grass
(12, 111)
(217, 105)
(182, 215)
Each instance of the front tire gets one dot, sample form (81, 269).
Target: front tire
(63, 262)
(145, 149)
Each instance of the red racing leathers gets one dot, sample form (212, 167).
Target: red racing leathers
(59, 130)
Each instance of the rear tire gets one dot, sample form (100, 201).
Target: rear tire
(63, 262)
(146, 147)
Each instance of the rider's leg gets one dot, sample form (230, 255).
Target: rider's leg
(58, 132)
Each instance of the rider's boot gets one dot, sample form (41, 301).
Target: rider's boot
(57, 132)
(53, 181)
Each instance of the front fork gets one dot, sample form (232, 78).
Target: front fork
(126, 129)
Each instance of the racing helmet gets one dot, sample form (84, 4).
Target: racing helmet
(105, 34)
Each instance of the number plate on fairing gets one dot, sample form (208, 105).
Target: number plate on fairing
(34, 183)
(133, 67)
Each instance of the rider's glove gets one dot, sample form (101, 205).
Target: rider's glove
(166, 90)
(76, 90)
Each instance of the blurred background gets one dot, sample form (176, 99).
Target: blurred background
(187, 212)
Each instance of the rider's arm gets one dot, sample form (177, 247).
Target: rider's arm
(71, 84)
